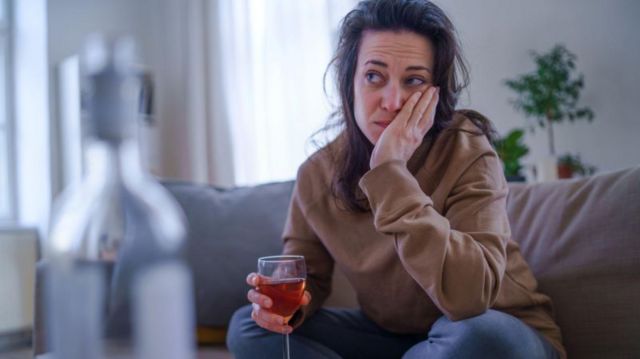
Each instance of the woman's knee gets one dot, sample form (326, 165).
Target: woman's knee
(495, 333)
(243, 329)
(247, 340)
(488, 322)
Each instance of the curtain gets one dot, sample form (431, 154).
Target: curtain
(274, 54)
(189, 139)
(239, 86)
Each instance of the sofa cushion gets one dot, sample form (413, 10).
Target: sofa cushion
(228, 231)
(582, 240)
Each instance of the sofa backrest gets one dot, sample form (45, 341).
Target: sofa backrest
(228, 231)
(582, 240)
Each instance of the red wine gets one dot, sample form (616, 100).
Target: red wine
(285, 295)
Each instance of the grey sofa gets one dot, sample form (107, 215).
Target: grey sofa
(581, 238)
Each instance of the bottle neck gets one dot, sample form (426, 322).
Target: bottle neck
(114, 160)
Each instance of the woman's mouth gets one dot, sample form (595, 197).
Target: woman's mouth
(383, 124)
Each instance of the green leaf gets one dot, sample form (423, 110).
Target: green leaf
(510, 149)
(551, 91)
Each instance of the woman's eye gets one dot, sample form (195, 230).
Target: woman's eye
(416, 81)
(373, 77)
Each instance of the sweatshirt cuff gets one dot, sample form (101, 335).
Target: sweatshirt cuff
(390, 187)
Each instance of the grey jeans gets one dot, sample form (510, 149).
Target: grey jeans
(347, 333)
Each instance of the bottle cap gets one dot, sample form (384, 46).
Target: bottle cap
(110, 87)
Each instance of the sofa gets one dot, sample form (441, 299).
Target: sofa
(581, 238)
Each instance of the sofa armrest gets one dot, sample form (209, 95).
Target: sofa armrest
(580, 238)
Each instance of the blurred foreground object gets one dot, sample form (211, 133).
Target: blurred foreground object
(116, 282)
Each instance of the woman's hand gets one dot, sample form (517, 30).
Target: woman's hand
(405, 133)
(261, 304)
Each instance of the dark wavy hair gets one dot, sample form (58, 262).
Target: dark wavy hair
(449, 74)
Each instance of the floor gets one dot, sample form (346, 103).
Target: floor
(203, 353)
(17, 354)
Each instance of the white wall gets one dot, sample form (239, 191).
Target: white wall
(497, 36)
(70, 21)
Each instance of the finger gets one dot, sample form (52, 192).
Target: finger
(253, 279)
(421, 107)
(270, 321)
(260, 299)
(268, 317)
(306, 298)
(407, 109)
(426, 121)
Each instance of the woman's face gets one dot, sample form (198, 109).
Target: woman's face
(391, 66)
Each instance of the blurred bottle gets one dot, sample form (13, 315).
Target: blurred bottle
(117, 282)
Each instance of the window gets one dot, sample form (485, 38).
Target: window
(6, 153)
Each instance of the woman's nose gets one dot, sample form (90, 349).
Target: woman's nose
(393, 97)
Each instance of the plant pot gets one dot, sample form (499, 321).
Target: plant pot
(565, 171)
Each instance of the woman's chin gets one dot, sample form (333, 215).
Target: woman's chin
(374, 135)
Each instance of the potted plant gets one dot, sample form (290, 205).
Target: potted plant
(569, 164)
(549, 94)
(511, 149)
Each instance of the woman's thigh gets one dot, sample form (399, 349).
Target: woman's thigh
(493, 334)
(347, 333)
(351, 334)
(246, 340)
(329, 333)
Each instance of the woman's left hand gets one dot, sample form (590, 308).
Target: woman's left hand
(405, 133)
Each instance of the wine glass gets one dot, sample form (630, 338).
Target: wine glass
(283, 280)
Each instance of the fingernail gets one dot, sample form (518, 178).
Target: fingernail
(266, 303)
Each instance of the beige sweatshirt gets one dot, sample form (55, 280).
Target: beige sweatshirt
(435, 243)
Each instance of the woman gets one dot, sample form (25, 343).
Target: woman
(410, 203)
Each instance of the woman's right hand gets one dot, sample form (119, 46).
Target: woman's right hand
(261, 304)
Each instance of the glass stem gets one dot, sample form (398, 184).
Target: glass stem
(285, 347)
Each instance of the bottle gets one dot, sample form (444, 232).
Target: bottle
(117, 284)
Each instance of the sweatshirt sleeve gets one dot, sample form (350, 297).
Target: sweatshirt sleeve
(457, 257)
(300, 239)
